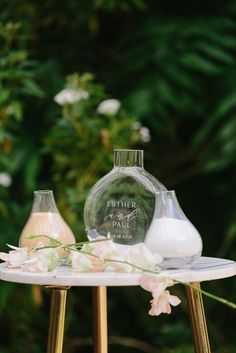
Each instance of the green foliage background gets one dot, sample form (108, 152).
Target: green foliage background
(173, 67)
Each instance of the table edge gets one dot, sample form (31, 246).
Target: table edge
(75, 279)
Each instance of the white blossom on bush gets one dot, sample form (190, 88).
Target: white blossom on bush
(143, 131)
(145, 134)
(70, 96)
(136, 125)
(109, 107)
(5, 180)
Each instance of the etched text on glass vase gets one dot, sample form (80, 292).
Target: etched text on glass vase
(122, 203)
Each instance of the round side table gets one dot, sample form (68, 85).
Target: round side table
(61, 279)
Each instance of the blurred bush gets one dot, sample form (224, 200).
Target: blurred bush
(172, 65)
(90, 127)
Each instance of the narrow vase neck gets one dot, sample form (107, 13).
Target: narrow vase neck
(167, 206)
(44, 201)
(128, 158)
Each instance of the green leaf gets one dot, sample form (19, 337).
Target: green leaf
(17, 110)
(224, 107)
(32, 88)
(31, 170)
(222, 39)
(214, 52)
(181, 77)
(200, 64)
(3, 209)
(4, 135)
(4, 95)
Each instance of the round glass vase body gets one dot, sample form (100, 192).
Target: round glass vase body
(45, 221)
(122, 203)
(171, 234)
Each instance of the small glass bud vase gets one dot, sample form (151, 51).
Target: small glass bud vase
(45, 219)
(171, 234)
(122, 203)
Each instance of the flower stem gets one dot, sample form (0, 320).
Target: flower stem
(120, 261)
(209, 295)
(79, 244)
(31, 236)
(130, 264)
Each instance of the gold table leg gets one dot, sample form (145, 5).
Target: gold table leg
(57, 319)
(198, 320)
(100, 319)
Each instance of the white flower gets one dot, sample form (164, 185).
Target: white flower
(145, 134)
(140, 255)
(70, 96)
(16, 257)
(143, 131)
(109, 107)
(5, 180)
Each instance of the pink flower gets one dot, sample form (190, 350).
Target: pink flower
(42, 260)
(116, 267)
(102, 249)
(120, 258)
(161, 297)
(31, 266)
(85, 262)
(162, 303)
(80, 262)
(4, 256)
(155, 285)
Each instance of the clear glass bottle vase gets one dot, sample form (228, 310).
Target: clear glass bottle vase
(122, 203)
(171, 234)
(45, 219)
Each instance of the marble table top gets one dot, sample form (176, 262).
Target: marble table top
(204, 269)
